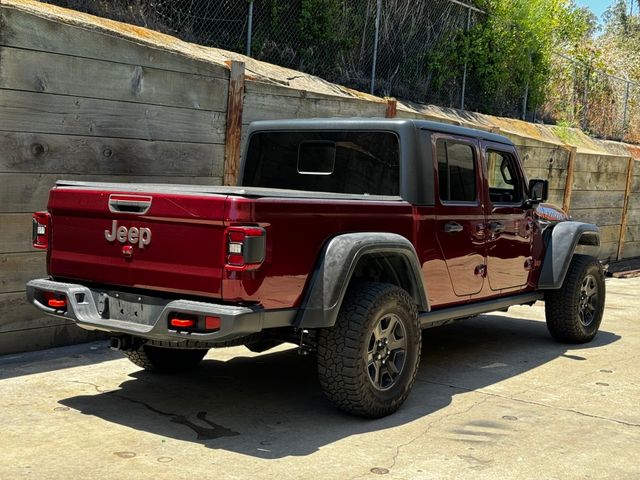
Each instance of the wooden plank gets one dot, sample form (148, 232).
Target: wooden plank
(16, 269)
(37, 338)
(17, 314)
(597, 199)
(599, 216)
(609, 233)
(632, 234)
(258, 106)
(566, 199)
(544, 157)
(586, 162)
(258, 86)
(599, 181)
(555, 177)
(62, 74)
(625, 208)
(15, 233)
(634, 198)
(633, 216)
(47, 113)
(632, 249)
(44, 153)
(392, 108)
(555, 196)
(233, 137)
(25, 193)
(608, 251)
(33, 32)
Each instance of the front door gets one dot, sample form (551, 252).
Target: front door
(460, 212)
(509, 221)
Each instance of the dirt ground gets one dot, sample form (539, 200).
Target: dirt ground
(495, 398)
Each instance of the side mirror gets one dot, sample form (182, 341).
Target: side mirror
(538, 190)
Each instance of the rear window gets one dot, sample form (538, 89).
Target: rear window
(338, 162)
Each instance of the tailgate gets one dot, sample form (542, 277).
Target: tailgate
(157, 240)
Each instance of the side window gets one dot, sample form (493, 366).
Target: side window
(456, 171)
(504, 185)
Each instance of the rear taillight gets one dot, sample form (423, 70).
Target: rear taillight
(41, 228)
(245, 248)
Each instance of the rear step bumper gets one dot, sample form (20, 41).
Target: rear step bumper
(82, 308)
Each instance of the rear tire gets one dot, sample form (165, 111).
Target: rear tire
(574, 312)
(367, 362)
(165, 360)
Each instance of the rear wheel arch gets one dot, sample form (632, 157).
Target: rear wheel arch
(354, 258)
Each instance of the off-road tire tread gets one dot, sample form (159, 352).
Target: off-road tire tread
(344, 383)
(561, 306)
(165, 360)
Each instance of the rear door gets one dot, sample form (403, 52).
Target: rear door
(509, 221)
(460, 212)
(161, 241)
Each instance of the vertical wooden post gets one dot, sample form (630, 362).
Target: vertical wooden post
(568, 186)
(392, 108)
(625, 209)
(233, 139)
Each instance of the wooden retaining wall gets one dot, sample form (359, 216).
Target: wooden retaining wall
(631, 223)
(83, 105)
(101, 101)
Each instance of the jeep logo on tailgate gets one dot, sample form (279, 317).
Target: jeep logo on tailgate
(141, 236)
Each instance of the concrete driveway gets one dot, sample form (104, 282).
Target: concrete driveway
(495, 398)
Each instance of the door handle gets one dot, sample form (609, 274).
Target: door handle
(496, 227)
(138, 204)
(453, 227)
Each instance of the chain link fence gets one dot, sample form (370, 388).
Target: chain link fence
(379, 46)
(386, 47)
(602, 104)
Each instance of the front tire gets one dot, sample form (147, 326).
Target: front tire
(165, 360)
(367, 362)
(574, 312)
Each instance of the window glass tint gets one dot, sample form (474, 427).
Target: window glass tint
(321, 161)
(504, 186)
(316, 158)
(456, 171)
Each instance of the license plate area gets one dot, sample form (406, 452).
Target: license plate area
(128, 307)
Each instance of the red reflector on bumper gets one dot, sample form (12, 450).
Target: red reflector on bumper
(182, 323)
(55, 300)
(212, 323)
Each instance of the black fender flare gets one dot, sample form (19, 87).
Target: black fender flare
(565, 238)
(336, 265)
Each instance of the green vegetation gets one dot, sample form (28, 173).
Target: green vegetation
(510, 52)
(590, 91)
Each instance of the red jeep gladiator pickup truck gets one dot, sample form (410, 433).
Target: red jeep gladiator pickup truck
(344, 236)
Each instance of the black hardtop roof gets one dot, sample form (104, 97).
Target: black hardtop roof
(393, 124)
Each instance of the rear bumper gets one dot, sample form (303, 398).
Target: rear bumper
(82, 308)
